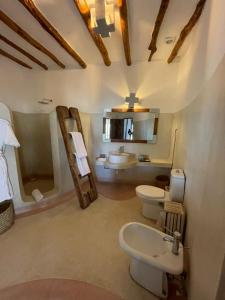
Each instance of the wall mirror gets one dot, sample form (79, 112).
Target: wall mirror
(129, 126)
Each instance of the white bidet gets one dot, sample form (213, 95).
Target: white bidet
(151, 257)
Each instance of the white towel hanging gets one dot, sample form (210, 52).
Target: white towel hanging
(79, 144)
(7, 137)
(80, 153)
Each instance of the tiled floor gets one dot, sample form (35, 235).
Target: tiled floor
(70, 243)
(116, 191)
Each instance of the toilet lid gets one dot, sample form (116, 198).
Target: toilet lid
(149, 191)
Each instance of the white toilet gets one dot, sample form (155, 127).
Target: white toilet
(153, 198)
(151, 256)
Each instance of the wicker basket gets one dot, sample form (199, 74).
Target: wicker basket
(162, 181)
(6, 215)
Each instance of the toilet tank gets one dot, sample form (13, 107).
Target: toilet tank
(177, 184)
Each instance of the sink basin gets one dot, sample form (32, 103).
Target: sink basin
(151, 257)
(123, 160)
(118, 158)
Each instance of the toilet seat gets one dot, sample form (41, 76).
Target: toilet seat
(149, 192)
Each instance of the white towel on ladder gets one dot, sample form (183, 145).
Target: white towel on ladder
(80, 153)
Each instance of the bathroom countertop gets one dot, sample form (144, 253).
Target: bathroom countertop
(156, 162)
(121, 166)
(163, 163)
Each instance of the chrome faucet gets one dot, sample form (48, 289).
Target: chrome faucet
(121, 149)
(175, 239)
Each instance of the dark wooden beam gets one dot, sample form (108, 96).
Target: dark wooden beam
(18, 61)
(122, 4)
(187, 29)
(47, 26)
(84, 11)
(162, 11)
(31, 57)
(16, 28)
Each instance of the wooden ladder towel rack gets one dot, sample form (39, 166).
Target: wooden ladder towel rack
(85, 196)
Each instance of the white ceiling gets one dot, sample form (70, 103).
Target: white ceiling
(65, 18)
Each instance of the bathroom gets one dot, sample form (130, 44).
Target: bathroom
(60, 244)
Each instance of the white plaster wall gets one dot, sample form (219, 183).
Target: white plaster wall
(19, 88)
(91, 90)
(207, 48)
(200, 152)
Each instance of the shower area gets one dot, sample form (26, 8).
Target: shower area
(35, 153)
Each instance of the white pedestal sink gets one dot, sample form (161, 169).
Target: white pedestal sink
(123, 160)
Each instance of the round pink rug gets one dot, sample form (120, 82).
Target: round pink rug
(56, 289)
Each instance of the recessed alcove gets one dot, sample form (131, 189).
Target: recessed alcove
(35, 153)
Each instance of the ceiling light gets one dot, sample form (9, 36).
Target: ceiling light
(102, 17)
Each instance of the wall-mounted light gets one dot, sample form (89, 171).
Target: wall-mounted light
(102, 16)
(131, 100)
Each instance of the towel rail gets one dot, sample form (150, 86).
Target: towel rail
(85, 197)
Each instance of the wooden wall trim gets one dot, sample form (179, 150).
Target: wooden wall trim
(130, 110)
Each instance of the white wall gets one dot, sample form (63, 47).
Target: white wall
(200, 152)
(91, 90)
(207, 47)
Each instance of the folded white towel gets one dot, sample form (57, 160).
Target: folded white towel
(80, 153)
(79, 144)
(83, 166)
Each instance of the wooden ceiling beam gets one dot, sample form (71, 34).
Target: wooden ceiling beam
(22, 33)
(122, 4)
(31, 57)
(187, 29)
(84, 11)
(162, 11)
(47, 26)
(13, 58)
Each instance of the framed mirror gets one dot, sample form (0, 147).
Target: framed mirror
(130, 126)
